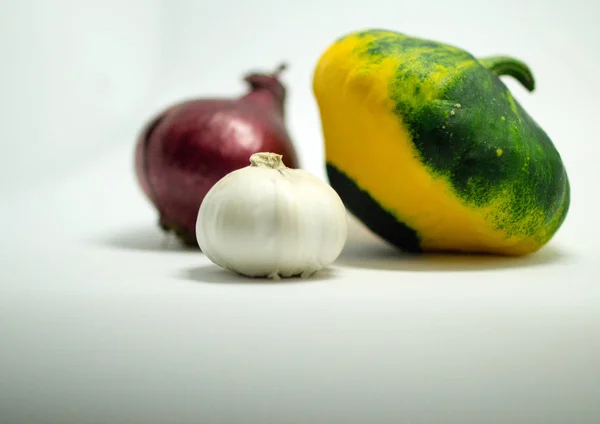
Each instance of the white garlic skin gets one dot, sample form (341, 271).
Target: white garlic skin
(267, 220)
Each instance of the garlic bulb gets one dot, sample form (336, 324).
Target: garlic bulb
(267, 220)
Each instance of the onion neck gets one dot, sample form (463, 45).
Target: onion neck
(267, 160)
(266, 90)
(266, 99)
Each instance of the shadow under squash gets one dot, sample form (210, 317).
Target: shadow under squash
(387, 258)
(365, 250)
(212, 273)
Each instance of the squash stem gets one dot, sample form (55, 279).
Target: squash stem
(504, 65)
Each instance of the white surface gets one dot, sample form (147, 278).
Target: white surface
(103, 320)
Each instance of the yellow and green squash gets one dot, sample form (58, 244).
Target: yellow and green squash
(429, 149)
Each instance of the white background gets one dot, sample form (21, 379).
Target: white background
(104, 320)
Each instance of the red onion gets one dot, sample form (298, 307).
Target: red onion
(187, 148)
